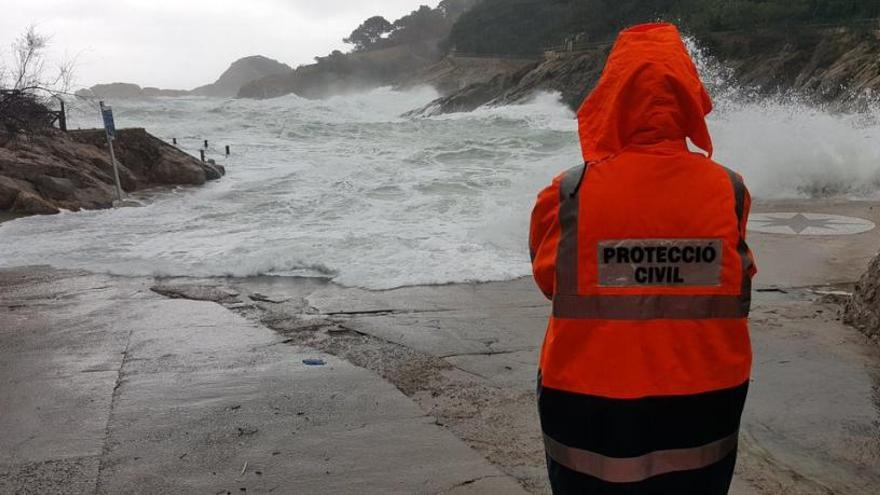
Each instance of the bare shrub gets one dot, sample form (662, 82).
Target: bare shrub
(28, 85)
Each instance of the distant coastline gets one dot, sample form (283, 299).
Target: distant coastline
(496, 52)
(239, 73)
(833, 64)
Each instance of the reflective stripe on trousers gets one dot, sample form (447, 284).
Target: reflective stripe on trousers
(635, 469)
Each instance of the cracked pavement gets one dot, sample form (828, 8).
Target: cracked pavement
(110, 388)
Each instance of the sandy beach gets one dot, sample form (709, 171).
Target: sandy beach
(147, 385)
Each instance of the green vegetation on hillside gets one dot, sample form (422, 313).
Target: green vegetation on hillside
(721, 15)
(423, 24)
(528, 26)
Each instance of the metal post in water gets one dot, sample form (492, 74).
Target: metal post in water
(62, 117)
(202, 154)
(110, 132)
(115, 170)
(227, 150)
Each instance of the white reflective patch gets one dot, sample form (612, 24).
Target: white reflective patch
(660, 262)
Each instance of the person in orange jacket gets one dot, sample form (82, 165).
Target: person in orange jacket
(646, 361)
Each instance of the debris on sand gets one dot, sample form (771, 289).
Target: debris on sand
(197, 293)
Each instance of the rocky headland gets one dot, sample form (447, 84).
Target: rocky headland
(456, 72)
(240, 73)
(345, 73)
(837, 65)
(127, 90)
(499, 52)
(384, 53)
(51, 171)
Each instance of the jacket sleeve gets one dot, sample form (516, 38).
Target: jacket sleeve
(743, 228)
(544, 238)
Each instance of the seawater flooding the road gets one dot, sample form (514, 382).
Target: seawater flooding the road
(348, 190)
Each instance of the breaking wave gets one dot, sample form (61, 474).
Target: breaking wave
(786, 147)
(342, 188)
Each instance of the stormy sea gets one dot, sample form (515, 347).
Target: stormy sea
(347, 189)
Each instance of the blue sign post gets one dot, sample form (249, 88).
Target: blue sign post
(107, 115)
(110, 130)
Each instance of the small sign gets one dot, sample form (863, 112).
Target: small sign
(109, 126)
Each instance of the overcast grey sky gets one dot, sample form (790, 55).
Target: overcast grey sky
(186, 43)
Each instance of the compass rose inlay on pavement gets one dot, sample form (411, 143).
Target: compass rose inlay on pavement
(808, 224)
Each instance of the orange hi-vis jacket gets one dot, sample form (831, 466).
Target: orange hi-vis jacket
(646, 359)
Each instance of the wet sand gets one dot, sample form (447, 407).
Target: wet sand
(175, 384)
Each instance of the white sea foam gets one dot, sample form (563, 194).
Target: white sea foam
(346, 189)
(792, 150)
(785, 147)
(342, 188)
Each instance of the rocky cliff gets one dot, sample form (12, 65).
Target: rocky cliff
(863, 310)
(456, 72)
(384, 53)
(571, 75)
(839, 65)
(242, 72)
(50, 171)
(821, 64)
(342, 73)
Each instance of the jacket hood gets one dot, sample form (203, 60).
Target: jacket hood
(649, 92)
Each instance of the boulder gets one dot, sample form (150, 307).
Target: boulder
(151, 161)
(31, 204)
(863, 309)
(45, 173)
(9, 190)
(55, 187)
(214, 171)
(183, 172)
